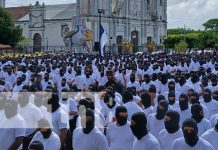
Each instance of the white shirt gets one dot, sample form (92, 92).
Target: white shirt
(212, 107)
(154, 125)
(58, 120)
(132, 108)
(31, 114)
(10, 129)
(88, 81)
(166, 139)
(148, 111)
(203, 126)
(213, 120)
(148, 142)
(70, 105)
(80, 82)
(10, 78)
(118, 142)
(135, 84)
(184, 115)
(179, 144)
(145, 86)
(184, 89)
(53, 142)
(211, 137)
(95, 140)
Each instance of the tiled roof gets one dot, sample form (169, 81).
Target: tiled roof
(18, 12)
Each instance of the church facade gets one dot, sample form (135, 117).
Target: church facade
(138, 21)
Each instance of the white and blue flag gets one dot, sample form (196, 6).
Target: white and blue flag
(103, 40)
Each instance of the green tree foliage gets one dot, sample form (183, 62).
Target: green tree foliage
(211, 24)
(181, 46)
(9, 33)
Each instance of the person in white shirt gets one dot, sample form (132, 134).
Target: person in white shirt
(198, 115)
(154, 95)
(57, 117)
(19, 85)
(131, 106)
(172, 130)
(172, 100)
(215, 95)
(46, 82)
(172, 88)
(133, 82)
(79, 79)
(184, 109)
(46, 136)
(156, 120)
(92, 138)
(88, 79)
(183, 86)
(146, 102)
(12, 128)
(211, 136)
(120, 127)
(164, 84)
(144, 139)
(191, 140)
(31, 114)
(10, 77)
(39, 103)
(102, 80)
(211, 104)
(147, 82)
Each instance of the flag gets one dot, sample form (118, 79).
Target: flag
(103, 40)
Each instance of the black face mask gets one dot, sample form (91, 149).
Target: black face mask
(46, 134)
(171, 87)
(183, 104)
(172, 100)
(63, 84)
(182, 81)
(207, 98)
(214, 83)
(216, 126)
(191, 138)
(196, 111)
(139, 129)
(46, 78)
(61, 74)
(69, 71)
(161, 112)
(172, 126)
(19, 82)
(9, 72)
(89, 124)
(132, 79)
(215, 96)
(194, 101)
(102, 74)
(120, 119)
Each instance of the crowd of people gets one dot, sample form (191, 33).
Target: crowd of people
(119, 102)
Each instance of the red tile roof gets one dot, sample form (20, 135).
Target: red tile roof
(18, 12)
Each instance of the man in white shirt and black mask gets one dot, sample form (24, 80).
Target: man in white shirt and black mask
(49, 138)
(120, 127)
(172, 130)
(198, 115)
(191, 140)
(88, 137)
(156, 120)
(144, 139)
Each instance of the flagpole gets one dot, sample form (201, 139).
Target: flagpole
(100, 11)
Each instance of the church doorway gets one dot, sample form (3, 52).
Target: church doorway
(135, 40)
(37, 42)
(119, 42)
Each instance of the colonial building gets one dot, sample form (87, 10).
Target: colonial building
(137, 21)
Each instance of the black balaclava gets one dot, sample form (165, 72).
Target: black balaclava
(182, 80)
(171, 86)
(139, 125)
(121, 120)
(146, 78)
(172, 125)
(132, 78)
(205, 81)
(171, 98)
(19, 81)
(146, 100)
(194, 78)
(183, 102)
(164, 79)
(197, 112)
(194, 98)
(43, 123)
(54, 102)
(109, 101)
(161, 112)
(191, 138)
(215, 95)
(207, 95)
(88, 121)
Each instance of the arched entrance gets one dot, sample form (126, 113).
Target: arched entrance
(37, 42)
(119, 41)
(135, 40)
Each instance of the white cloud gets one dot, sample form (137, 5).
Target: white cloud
(192, 13)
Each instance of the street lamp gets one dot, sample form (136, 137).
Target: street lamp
(100, 11)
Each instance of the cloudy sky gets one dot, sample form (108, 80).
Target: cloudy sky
(191, 13)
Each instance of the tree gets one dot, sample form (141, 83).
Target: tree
(211, 24)
(181, 46)
(9, 33)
